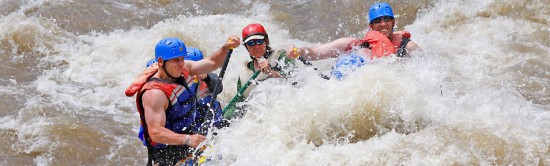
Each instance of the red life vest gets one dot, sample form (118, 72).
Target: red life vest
(186, 114)
(181, 111)
(380, 44)
(150, 71)
(203, 89)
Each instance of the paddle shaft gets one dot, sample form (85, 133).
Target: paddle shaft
(240, 92)
(211, 106)
(307, 63)
(220, 79)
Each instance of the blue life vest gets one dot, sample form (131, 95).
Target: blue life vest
(187, 114)
(218, 115)
(182, 109)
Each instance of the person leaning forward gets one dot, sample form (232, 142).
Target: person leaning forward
(269, 62)
(272, 63)
(380, 40)
(166, 100)
(265, 63)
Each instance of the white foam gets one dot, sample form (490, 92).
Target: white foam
(441, 108)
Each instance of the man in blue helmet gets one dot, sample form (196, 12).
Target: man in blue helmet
(206, 83)
(380, 40)
(167, 100)
(211, 79)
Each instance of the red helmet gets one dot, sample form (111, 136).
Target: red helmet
(254, 31)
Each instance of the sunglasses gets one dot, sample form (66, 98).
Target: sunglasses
(379, 19)
(254, 42)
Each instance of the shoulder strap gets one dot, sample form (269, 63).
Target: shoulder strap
(401, 51)
(181, 81)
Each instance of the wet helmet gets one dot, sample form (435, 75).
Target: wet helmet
(193, 54)
(254, 31)
(150, 62)
(170, 48)
(379, 10)
(346, 64)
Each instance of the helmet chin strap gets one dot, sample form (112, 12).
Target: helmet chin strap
(168, 74)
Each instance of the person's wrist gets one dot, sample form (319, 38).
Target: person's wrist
(206, 79)
(186, 140)
(306, 51)
(267, 71)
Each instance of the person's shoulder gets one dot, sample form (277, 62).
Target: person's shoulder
(154, 95)
(155, 99)
(403, 33)
(153, 92)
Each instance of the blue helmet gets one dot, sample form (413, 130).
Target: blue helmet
(170, 48)
(193, 54)
(346, 64)
(380, 9)
(150, 62)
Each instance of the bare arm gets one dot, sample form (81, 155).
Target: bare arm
(154, 104)
(412, 47)
(214, 61)
(323, 51)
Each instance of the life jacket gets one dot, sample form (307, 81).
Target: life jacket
(185, 115)
(212, 82)
(380, 44)
(180, 118)
(141, 79)
(181, 111)
(202, 94)
(400, 40)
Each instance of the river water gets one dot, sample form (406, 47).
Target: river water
(479, 94)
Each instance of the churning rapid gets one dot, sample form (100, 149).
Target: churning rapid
(479, 94)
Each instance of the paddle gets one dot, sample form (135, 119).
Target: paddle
(211, 105)
(230, 108)
(307, 63)
(204, 129)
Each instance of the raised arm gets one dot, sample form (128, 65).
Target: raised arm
(412, 47)
(214, 61)
(323, 51)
